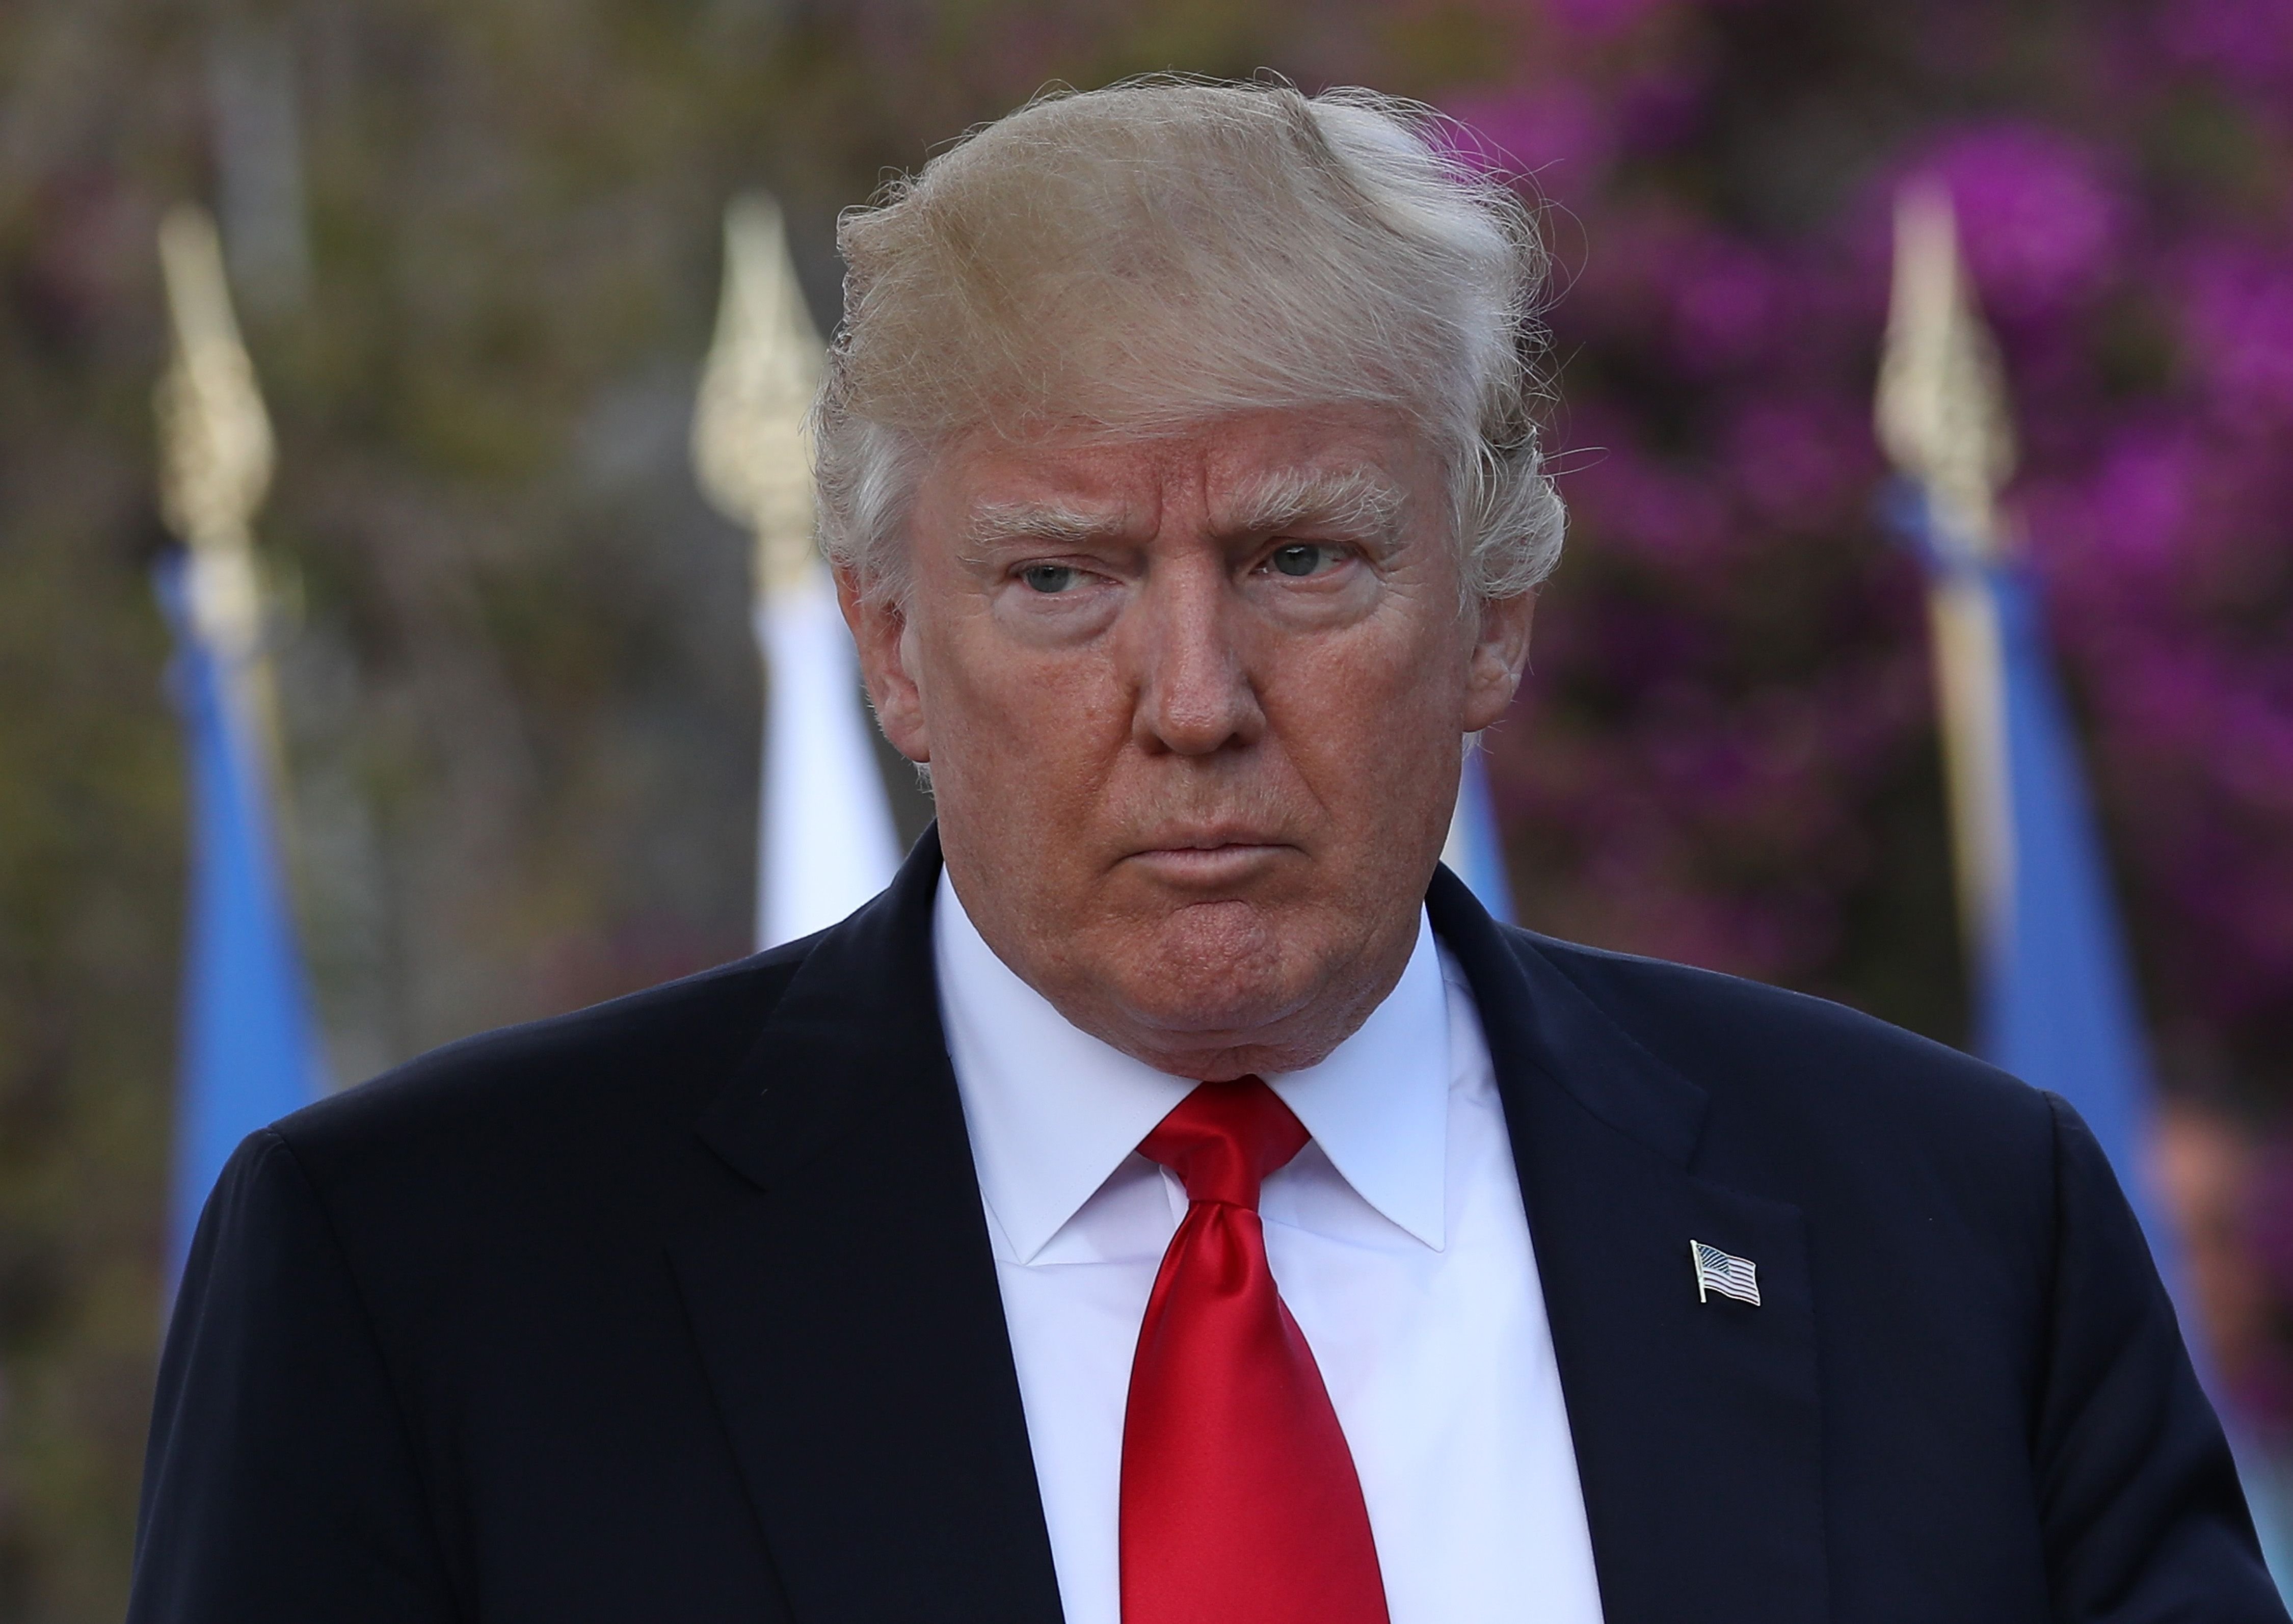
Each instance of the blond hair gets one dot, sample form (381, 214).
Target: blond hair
(1166, 251)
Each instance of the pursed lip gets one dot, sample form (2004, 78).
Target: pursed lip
(1208, 856)
(1216, 838)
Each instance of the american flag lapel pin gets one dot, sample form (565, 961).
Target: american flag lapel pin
(1729, 1276)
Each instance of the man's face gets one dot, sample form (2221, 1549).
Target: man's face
(1193, 708)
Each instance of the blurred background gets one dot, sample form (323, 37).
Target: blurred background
(475, 249)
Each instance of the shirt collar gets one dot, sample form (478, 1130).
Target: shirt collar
(1053, 1111)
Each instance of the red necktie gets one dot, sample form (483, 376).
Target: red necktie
(1240, 1505)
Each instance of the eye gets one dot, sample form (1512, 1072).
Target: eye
(1303, 558)
(1048, 578)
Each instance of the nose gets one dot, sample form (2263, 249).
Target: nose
(1195, 693)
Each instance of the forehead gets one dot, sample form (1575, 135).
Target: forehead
(1217, 464)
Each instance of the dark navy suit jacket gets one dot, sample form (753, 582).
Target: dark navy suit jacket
(683, 1309)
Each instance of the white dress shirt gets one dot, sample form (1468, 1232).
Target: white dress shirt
(1396, 1236)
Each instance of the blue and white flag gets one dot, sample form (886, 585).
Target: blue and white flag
(827, 842)
(1475, 849)
(2057, 1004)
(249, 1050)
(2055, 994)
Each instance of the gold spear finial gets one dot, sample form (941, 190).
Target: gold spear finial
(1944, 420)
(1943, 415)
(748, 440)
(215, 437)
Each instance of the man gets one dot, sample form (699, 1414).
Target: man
(1175, 1200)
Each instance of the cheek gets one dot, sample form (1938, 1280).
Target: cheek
(1013, 726)
(1396, 687)
(1372, 728)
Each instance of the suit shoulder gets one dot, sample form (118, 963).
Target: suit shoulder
(649, 1060)
(1745, 1039)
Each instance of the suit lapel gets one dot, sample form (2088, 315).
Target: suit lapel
(843, 1293)
(1696, 1425)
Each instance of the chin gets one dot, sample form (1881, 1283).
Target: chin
(1220, 971)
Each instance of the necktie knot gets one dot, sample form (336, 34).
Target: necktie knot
(1223, 1140)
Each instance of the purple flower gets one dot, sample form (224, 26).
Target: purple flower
(2250, 41)
(2039, 226)
(1600, 19)
(2123, 525)
(1728, 300)
(1795, 462)
(1665, 517)
(1558, 135)
(1662, 108)
(2237, 317)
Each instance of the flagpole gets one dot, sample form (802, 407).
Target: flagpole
(250, 1051)
(1944, 422)
(826, 842)
(216, 455)
(2055, 996)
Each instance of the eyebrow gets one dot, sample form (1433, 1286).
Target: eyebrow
(1048, 523)
(1360, 502)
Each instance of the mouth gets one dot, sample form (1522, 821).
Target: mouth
(1204, 860)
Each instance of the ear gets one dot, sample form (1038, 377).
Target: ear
(880, 632)
(1500, 655)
